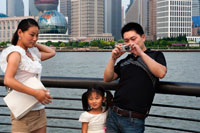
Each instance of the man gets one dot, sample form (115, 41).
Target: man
(138, 75)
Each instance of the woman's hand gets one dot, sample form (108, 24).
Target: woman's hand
(43, 96)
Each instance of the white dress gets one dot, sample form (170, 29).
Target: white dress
(27, 67)
(96, 121)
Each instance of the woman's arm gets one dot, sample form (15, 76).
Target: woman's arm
(46, 52)
(9, 80)
(84, 127)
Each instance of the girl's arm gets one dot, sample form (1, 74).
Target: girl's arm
(84, 127)
(9, 80)
(46, 52)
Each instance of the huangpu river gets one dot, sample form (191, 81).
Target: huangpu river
(182, 67)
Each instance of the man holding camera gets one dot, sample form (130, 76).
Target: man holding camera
(138, 75)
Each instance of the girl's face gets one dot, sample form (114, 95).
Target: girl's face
(28, 38)
(95, 100)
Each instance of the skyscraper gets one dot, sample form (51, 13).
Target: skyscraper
(113, 18)
(87, 17)
(15, 8)
(152, 19)
(65, 9)
(174, 18)
(195, 7)
(131, 2)
(33, 11)
(138, 12)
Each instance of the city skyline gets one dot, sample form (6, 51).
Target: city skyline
(26, 3)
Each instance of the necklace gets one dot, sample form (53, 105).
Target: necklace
(29, 55)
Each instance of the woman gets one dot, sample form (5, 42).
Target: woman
(20, 61)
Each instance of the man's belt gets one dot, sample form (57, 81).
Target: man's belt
(126, 113)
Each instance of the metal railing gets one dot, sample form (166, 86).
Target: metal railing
(72, 83)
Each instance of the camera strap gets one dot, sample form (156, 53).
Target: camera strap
(145, 68)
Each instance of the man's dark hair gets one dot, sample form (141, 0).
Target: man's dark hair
(132, 26)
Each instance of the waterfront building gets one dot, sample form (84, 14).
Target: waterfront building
(113, 18)
(65, 9)
(138, 12)
(15, 8)
(8, 26)
(193, 41)
(103, 36)
(195, 7)
(174, 18)
(87, 17)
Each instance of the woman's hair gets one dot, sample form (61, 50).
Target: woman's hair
(24, 25)
(99, 90)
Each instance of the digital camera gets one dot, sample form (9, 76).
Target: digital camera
(125, 48)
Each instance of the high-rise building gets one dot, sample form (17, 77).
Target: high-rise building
(152, 19)
(113, 18)
(138, 12)
(15, 8)
(65, 9)
(195, 7)
(129, 5)
(87, 17)
(174, 18)
(33, 11)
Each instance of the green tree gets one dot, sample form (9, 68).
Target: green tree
(62, 44)
(74, 44)
(112, 44)
(49, 43)
(94, 43)
(80, 44)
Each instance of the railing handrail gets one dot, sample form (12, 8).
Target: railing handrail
(177, 88)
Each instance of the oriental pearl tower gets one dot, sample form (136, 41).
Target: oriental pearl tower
(45, 5)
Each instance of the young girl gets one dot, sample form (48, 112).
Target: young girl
(94, 118)
(21, 61)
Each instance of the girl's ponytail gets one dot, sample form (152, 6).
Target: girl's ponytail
(85, 101)
(109, 100)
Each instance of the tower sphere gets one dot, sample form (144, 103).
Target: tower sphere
(52, 22)
(45, 5)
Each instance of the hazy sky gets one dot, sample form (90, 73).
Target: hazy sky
(3, 6)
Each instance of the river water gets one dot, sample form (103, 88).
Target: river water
(182, 67)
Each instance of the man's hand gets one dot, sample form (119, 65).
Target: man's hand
(136, 50)
(116, 52)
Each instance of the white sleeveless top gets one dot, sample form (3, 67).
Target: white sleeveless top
(96, 122)
(27, 67)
